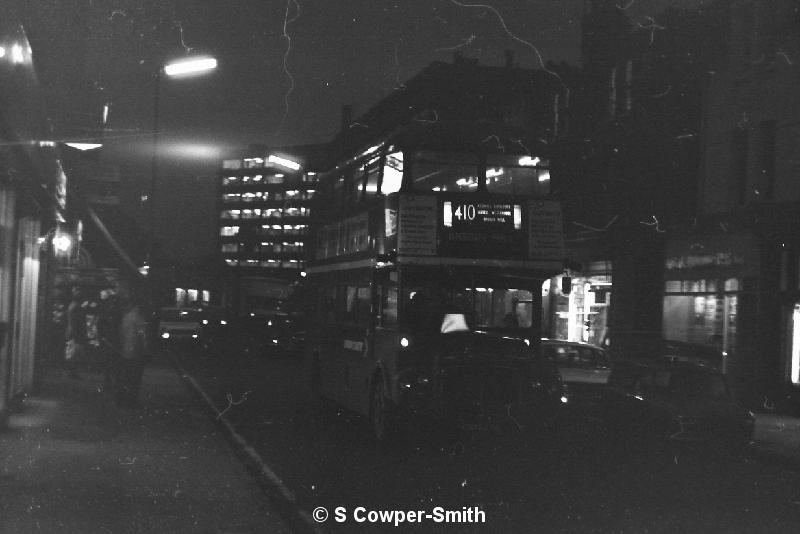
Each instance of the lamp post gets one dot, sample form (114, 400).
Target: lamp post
(182, 68)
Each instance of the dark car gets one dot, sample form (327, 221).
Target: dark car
(584, 368)
(285, 334)
(478, 380)
(675, 403)
(180, 324)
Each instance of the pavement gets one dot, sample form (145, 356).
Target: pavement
(72, 462)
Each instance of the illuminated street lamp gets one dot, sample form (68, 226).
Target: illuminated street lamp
(183, 68)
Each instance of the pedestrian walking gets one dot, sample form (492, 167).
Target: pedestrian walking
(75, 348)
(133, 346)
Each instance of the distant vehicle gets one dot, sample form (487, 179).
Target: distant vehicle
(216, 327)
(675, 403)
(584, 368)
(285, 334)
(180, 324)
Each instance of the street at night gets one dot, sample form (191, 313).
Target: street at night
(569, 478)
(399, 266)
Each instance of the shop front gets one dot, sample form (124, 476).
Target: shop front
(715, 295)
(582, 312)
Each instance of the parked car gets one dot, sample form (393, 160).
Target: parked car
(675, 403)
(176, 324)
(584, 368)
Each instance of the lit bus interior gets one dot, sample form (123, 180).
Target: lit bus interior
(484, 308)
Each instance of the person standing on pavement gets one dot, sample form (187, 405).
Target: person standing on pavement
(75, 332)
(108, 326)
(133, 344)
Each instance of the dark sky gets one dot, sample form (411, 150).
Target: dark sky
(286, 68)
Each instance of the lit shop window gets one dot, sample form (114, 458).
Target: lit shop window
(251, 214)
(275, 179)
(230, 198)
(228, 231)
(230, 247)
(232, 262)
(230, 180)
(230, 214)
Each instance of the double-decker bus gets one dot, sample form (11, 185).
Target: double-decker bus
(425, 287)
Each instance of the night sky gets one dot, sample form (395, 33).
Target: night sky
(285, 70)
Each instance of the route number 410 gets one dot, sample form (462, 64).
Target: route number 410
(465, 212)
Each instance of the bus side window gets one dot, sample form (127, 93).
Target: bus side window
(350, 303)
(363, 305)
(389, 306)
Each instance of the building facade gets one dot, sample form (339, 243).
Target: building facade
(33, 230)
(627, 168)
(731, 275)
(266, 202)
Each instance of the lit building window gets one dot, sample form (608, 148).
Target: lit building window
(206, 296)
(250, 163)
(310, 177)
(310, 194)
(250, 197)
(250, 263)
(230, 247)
(271, 264)
(232, 164)
(229, 198)
(251, 214)
(295, 229)
(228, 231)
(275, 179)
(192, 295)
(296, 246)
(230, 214)
(232, 262)
(230, 180)
(292, 194)
(274, 213)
